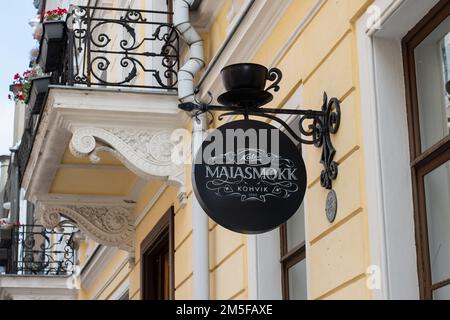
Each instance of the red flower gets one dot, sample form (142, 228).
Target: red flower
(56, 13)
(16, 76)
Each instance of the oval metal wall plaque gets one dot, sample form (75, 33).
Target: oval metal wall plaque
(249, 177)
(331, 206)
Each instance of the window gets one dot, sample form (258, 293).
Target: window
(293, 241)
(293, 258)
(157, 256)
(426, 51)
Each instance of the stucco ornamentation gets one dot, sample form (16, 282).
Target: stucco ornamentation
(146, 152)
(108, 225)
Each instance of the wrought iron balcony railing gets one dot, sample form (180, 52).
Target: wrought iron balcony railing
(33, 250)
(24, 152)
(112, 47)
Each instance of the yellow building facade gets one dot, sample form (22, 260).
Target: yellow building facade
(350, 49)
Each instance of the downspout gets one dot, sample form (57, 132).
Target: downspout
(14, 213)
(196, 61)
(15, 186)
(186, 74)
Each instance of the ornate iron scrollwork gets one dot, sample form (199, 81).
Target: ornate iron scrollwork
(316, 127)
(274, 75)
(119, 47)
(330, 125)
(42, 251)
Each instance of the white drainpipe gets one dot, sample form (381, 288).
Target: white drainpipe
(186, 76)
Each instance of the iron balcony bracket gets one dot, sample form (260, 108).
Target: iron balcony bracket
(316, 126)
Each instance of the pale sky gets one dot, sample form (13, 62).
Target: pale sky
(16, 43)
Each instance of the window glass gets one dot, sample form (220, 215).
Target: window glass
(297, 281)
(296, 229)
(437, 194)
(293, 241)
(294, 259)
(432, 59)
(442, 293)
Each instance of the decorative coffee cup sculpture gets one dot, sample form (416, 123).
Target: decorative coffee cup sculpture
(245, 84)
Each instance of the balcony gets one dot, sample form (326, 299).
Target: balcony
(37, 263)
(34, 250)
(112, 47)
(103, 52)
(104, 128)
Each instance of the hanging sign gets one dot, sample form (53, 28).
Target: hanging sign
(249, 177)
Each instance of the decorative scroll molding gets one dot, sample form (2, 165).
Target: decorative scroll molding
(146, 152)
(108, 225)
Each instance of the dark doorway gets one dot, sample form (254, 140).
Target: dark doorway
(157, 256)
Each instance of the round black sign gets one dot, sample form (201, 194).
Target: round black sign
(249, 177)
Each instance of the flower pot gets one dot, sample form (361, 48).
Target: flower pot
(52, 47)
(38, 92)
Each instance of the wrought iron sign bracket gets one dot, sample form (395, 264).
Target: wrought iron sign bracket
(316, 127)
(246, 96)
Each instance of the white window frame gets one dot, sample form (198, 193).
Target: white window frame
(386, 144)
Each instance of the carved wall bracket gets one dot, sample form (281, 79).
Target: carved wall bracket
(146, 152)
(108, 225)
